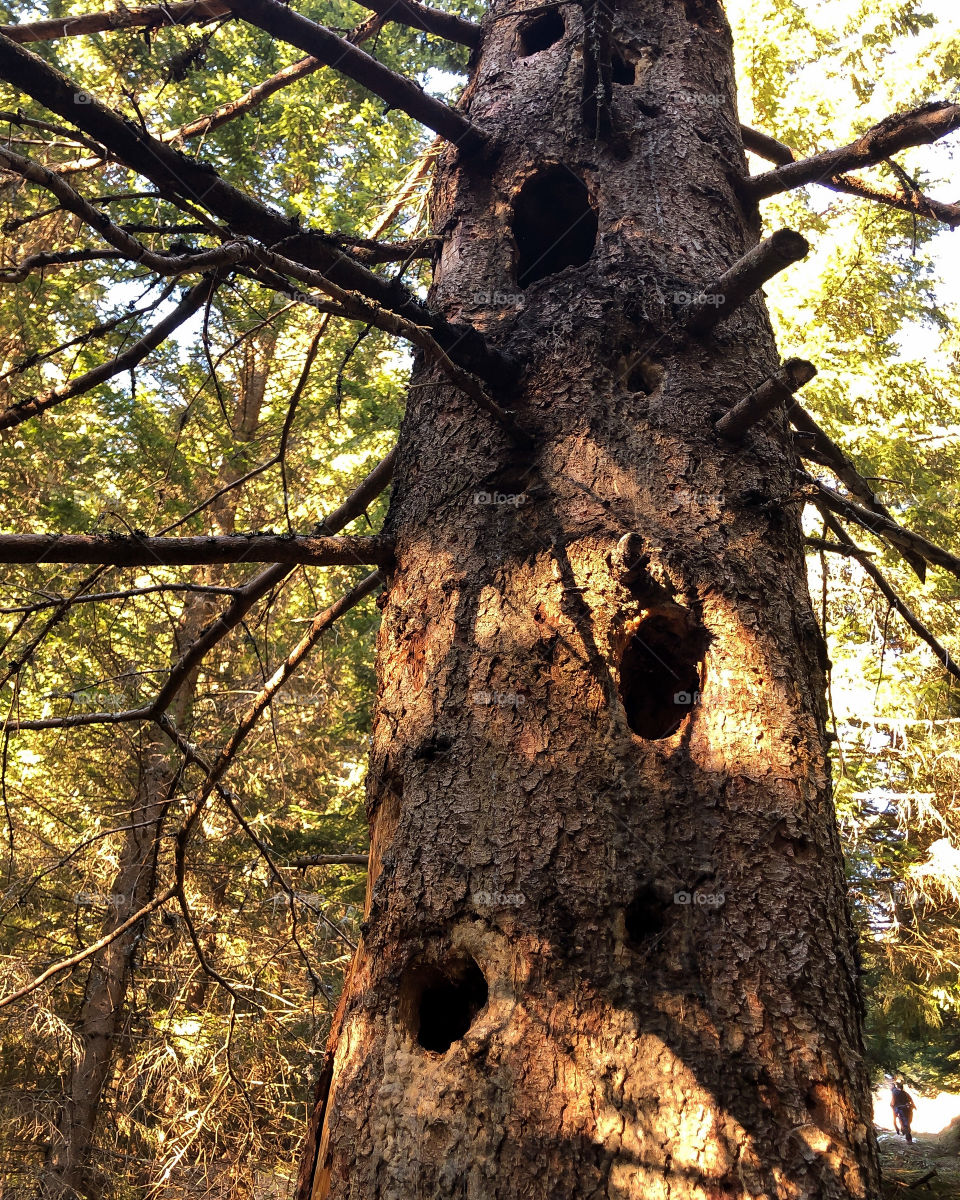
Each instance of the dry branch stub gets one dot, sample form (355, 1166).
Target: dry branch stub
(554, 224)
(716, 301)
(778, 389)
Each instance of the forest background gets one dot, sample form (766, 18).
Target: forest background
(224, 1024)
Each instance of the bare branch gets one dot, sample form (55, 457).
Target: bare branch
(261, 91)
(243, 104)
(258, 587)
(430, 20)
(153, 16)
(199, 183)
(126, 594)
(66, 964)
(337, 52)
(915, 203)
(370, 251)
(919, 127)
(725, 295)
(356, 307)
(134, 551)
(829, 547)
(124, 361)
(904, 540)
(52, 258)
(863, 557)
(832, 456)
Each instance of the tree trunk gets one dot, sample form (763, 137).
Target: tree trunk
(607, 949)
(69, 1171)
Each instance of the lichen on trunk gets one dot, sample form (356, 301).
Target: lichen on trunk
(606, 949)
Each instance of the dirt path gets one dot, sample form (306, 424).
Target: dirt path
(904, 1164)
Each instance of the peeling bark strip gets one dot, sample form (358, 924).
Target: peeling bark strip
(606, 950)
(134, 551)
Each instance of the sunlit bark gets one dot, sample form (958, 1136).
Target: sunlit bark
(607, 949)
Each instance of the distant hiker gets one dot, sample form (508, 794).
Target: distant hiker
(902, 1104)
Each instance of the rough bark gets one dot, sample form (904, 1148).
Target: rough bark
(607, 950)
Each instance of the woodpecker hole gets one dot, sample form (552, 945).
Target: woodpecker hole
(660, 672)
(643, 917)
(643, 375)
(622, 70)
(554, 224)
(541, 32)
(438, 1004)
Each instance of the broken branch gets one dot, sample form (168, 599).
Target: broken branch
(327, 860)
(334, 51)
(199, 183)
(134, 551)
(778, 389)
(153, 16)
(886, 528)
(830, 454)
(126, 360)
(719, 299)
(863, 557)
(919, 127)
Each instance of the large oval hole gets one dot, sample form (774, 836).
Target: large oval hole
(439, 1004)
(622, 70)
(554, 224)
(660, 673)
(541, 32)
